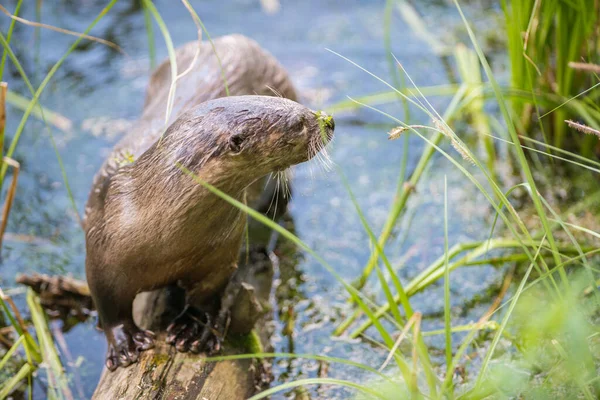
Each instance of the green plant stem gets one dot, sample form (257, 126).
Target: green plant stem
(7, 356)
(25, 371)
(316, 357)
(398, 81)
(502, 327)
(515, 138)
(59, 383)
(471, 178)
(9, 37)
(59, 121)
(41, 112)
(319, 381)
(421, 347)
(436, 270)
(356, 295)
(447, 316)
(205, 31)
(43, 85)
(400, 203)
(150, 35)
(392, 96)
(148, 5)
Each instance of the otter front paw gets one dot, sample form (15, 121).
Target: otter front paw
(125, 344)
(195, 331)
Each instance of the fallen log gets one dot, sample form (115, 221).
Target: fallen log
(163, 372)
(61, 296)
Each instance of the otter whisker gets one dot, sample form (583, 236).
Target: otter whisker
(322, 149)
(275, 92)
(275, 197)
(280, 183)
(311, 172)
(313, 151)
(269, 179)
(318, 150)
(278, 191)
(327, 156)
(322, 162)
(287, 192)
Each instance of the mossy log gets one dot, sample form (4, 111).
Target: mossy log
(165, 373)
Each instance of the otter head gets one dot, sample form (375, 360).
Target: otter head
(254, 135)
(275, 133)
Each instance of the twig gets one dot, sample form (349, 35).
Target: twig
(16, 312)
(21, 102)
(505, 285)
(60, 293)
(413, 320)
(3, 90)
(5, 341)
(6, 330)
(10, 195)
(416, 335)
(588, 130)
(29, 239)
(588, 67)
(56, 285)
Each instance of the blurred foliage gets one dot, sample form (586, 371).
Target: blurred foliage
(544, 39)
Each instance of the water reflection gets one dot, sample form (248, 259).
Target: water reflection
(97, 84)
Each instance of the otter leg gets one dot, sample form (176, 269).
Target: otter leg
(125, 339)
(188, 326)
(202, 324)
(216, 329)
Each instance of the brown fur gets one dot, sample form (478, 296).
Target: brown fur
(148, 224)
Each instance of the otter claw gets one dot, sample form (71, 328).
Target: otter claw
(144, 340)
(125, 346)
(111, 360)
(189, 332)
(212, 344)
(127, 358)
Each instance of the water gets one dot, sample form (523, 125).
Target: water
(98, 86)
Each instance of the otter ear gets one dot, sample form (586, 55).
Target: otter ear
(236, 141)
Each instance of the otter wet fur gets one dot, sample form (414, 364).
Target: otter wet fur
(149, 225)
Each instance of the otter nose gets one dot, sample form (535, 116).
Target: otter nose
(330, 123)
(325, 120)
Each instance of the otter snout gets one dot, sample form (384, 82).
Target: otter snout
(326, 125)
(327, 119)
(323, 134)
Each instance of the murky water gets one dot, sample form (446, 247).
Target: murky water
(102, 91)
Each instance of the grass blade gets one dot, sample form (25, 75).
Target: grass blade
(447, 316)
(44, 83)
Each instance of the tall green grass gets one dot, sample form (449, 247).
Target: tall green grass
(555, 296)
(545, 327)
(29, 354)
(543, 38)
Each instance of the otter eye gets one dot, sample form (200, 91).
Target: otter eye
(235, 143)
(298, 126)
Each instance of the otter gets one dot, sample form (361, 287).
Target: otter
(149, 225)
